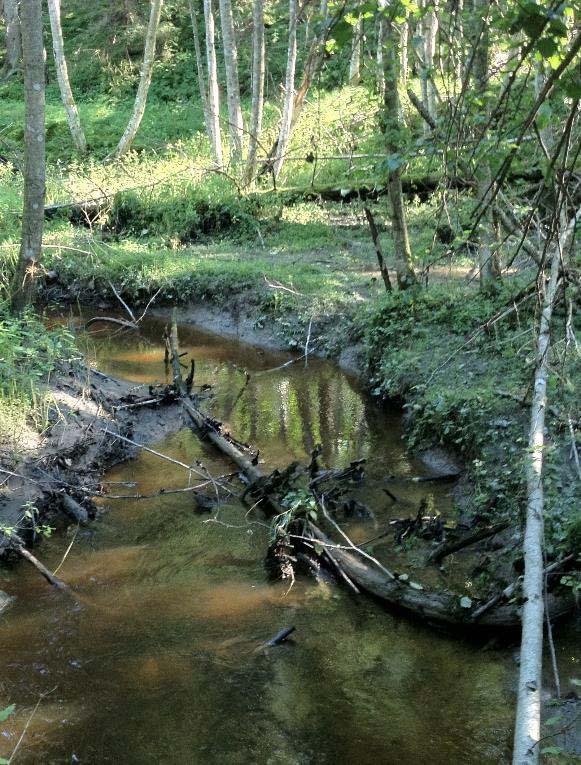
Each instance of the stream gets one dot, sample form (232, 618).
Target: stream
(156, 658)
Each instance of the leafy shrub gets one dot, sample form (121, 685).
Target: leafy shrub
(29, 353)
(188, 215)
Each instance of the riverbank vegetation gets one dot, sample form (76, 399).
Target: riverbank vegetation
(401, 178)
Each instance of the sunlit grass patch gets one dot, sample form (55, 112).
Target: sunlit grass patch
(29, 355)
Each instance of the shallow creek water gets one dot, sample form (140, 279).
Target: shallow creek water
(154, 659)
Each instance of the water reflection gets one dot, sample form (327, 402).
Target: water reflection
(157, 661)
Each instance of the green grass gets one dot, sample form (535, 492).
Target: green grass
(29, 355)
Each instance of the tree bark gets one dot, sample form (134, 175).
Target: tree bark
(489, 271)
(379, 57)
(34, 156)
(213, 89)
(457, 52)
(144, 81)
(405, 271)
(378, 251)
(355, 61)
(429, 29)
(202, 87)
(258, 70)
(404, 40)
(528, 715)
(54, 12)
(13, 37)
(235, 123)
(289, 90)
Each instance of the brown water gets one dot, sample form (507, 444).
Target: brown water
(156, 661)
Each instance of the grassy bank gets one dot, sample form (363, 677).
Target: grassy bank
(29, 355)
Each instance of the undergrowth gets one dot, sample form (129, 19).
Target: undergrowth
(29, 355)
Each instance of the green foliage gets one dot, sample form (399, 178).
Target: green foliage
(5, 713)
(187, 214)
(29, 354)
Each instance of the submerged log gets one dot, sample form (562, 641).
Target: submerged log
(40, 567)
(280, 637)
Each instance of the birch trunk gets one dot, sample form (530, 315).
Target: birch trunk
(355, 61)
(489, 271)
(200, 71)
(404, 268)
(528, 715)
(13, 37)
(458, 47)
(235, 123)
(289, 94)
(258, 70)
(144, 81)
(213, 89)
(546, 132)
(404, 40)
(34, 155)
(379, 57)
(73, 119)
(429, 29)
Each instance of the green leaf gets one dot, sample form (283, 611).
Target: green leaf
(551, 750)
(465, 602)
(547, 47)
(554, 720)
(5, 713)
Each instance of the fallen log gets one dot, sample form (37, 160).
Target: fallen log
(203, 423)
(447, 548)
(509, 591)
(74, 510)
(440, 607)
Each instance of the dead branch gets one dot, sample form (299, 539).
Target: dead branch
(378, 251)
(447, 548)
(111, 320)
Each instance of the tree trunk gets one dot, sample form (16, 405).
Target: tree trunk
(54, 12)
(34, 155)
(144, 81)
(355, 61)
(13, 37)
(404, 40)
(402, 250)
(200, 71)
(429, 29)
(235, 123)
(258, 70)
(458, 47)
(213, 89)
(489, 271)
(289, 90)
(528, 714)
(379, 57)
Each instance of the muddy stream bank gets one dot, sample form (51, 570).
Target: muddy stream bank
(155, 658)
